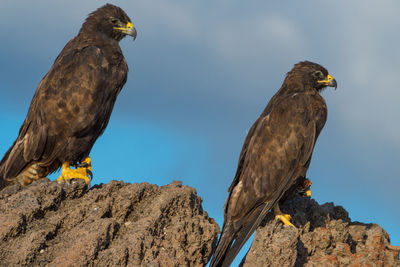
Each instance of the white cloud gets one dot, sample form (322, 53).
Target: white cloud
(370, 61)
(175, 18)
(366, 50)
(255, 38)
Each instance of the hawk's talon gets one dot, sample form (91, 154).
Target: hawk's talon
(80, 165)
(84, 173)
(285, 218)
(307, 183)
(305, 190)
(308, 193)
(90, 174)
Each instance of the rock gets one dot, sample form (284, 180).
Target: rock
(325, 237)
(116, 224)
(121, 224)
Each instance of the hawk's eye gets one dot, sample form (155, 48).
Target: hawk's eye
(318, 74)
(114, 21)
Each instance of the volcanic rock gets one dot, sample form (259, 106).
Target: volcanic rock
(325, 236)
(115, 224)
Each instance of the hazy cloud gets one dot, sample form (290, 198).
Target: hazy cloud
(209, 67)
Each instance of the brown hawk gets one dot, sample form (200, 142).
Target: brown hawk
(275, 157)
(72, 104)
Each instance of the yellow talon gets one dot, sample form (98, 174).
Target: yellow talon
(308, 193)
(285, 218)
(83, 171)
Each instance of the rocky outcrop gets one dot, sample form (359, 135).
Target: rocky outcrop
(117, 224)
(325, 236)
(121, 224)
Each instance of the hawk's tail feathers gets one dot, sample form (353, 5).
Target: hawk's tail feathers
(226, 251)
(224, 243)
(14, 168)
(5, 164)
(3, 183)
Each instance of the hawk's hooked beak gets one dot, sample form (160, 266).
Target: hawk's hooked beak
(329, 81)
(128, 29)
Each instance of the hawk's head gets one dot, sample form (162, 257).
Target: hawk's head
(312, 74)
(111, 21)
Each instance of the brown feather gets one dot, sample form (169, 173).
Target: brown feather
(274, 159)
(73, 102)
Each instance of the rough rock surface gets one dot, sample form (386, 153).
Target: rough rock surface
(117, 224)
(325, 236)
(121, 224)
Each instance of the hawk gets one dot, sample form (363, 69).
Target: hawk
(72, 103)
(275, 157)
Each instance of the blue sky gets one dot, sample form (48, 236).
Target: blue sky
(202, 72)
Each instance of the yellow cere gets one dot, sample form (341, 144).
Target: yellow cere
(129, 26)
(328, 79)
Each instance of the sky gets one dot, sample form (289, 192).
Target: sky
(201, 72)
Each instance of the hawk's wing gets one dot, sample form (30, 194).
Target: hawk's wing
(63, 107)
(275, 153)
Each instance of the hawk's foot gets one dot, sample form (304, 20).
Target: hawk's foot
(83, 171)
(308, 193)
(306, 185)
(285, 218)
